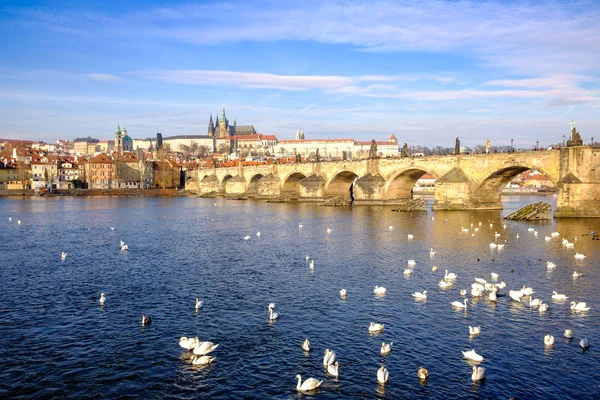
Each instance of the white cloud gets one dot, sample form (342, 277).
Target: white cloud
(104, 78)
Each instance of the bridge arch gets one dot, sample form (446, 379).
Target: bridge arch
(224, 181)
(401, 183)
(491, 187)
(339, 185)
(291, 183)
(252, 185)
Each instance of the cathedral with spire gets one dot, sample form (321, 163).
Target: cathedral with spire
(223, 130)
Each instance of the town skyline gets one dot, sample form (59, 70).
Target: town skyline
(426, 73)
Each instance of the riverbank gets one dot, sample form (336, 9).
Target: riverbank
(99, 192)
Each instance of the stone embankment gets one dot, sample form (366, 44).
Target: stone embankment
(412, 205)
(531, 212)
(98, 192)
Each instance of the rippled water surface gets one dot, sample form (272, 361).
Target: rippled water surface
(57, 341)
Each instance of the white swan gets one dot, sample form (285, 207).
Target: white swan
(124, 248)
(376, 327)
(102, 299)
(19, 222)
(463, 292)
(272, 315)
(410, 236)
(474, 330)
(247, 237)
(419, 295)
(198, 304)
(480, 281)
(434, 268)
(478, 373)
(306, 345)
(577, 274)
(379, 290)
(450, 275)
(534, 302)
(202, 360)
(515, 295)
(307, 258)
(332, 369)
(343, 293)
(556, 296)
(258, 234)
(63, 256)
(458, 304)
(495, 276)
(412, 263)
(547, 238)
(300, 226)
(581, 306)
(550, 265)
(476, 292)
(500, 246)
(543, 308)
(530, 229)
(329, 230)
(472, 355)
(527, 291)
(188, 343)
(570, 245)
(407, 271)
(549, 340)
(492, 296)
(584, 343)
(204, 348)
(555, 234)
(312, 264)
(382, 375)
(422, 373)
(432, 253)
(329, 357)
(568, 334)
(272, 306)
(146, 320)
(493, 245)
(444, 285)
(579, 256)
(386, 348)
(307, 385)
(391, 228)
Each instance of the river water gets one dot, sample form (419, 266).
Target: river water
(57, 341)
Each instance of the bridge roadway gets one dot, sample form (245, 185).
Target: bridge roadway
(464, 182)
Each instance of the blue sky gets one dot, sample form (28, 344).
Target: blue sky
(426, 71)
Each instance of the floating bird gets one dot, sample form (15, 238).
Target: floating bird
(515, 295)
(202, 360)
(272, 305)
(407, 271)
(112, 228)
(19, 222)
(555, 234)
(547, 238)
(329, 230)
(199, 304)
(382, 375)
(449, 276)
(493, 245)
(432, 253)
(472, 355)
(527, 291)
(300, 226)
(463, 292)
(495, 276)
(102, 299)
(188, 343)
(568, 334)
(579, 256)
(474, 330)
(375, 327)
(390, 227)
(272, 315)
(307, 258)
(530, 229)
(581, 306)
(492, 296)
(380, 290)
(312, 264)
(543, 308)
(343, 293)
(10, 218)
(480, 281)
(444, 285)
(63, 256)
(584, 343)
(458, 304)
(258, 234)
(556, 296)
(386, 348)
(409, 236)
(577, 274)
(419, 295)
(203, 348)
(500, 246)
(550, 265)
(329, 357)
(549, 340)
(124, 247)
(146, 320)
(247, 237)
(434, 268)
(332, 369)
(517, 236)
(306, 345)
(307, 385)
(422, 373)
(412, 263)
(534, 302)
(478, 373)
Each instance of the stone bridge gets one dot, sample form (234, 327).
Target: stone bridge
(464, 182)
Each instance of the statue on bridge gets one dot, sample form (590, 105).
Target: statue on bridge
(405, 151)
(575, 138)
(487, 146)
(457, 147)
(373, 149)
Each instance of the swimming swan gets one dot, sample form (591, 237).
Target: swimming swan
(556, 296)
(458, 304)
(102, 299)
(379, 290)
(472, 355)
(568, 334)
(450, 275)
(579, 306)
(548, 340)
(584, 343)
(307, 385)
(332, 369)
(382, 375)
(422, 373)
(343, 293)
(202, 360)
(478, 374)
(474, 330)
(419, 295)
(204, 348)
(146, 320)
(386, 348)
(306, 345)
(375, 327)
(329, 357)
